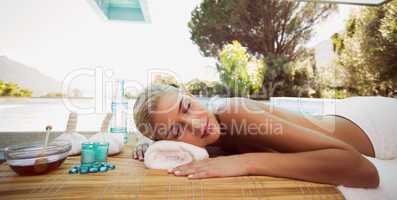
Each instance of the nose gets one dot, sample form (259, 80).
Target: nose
(194, 123)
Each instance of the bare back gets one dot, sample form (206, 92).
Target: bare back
(333, 126)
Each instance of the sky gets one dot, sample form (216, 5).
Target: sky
(58, 37)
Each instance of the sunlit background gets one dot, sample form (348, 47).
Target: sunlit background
(57, 37)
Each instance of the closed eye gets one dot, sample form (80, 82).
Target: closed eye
(175, 131)
(186, 106)
(178, 133)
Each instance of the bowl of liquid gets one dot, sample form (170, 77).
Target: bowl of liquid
(34, 159)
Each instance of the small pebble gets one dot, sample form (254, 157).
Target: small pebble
(93, 170)
(103, 169)
(99, 167)
(83, 170)
(73, 171)
(110, 166)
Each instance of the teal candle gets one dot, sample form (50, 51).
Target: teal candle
(87, 154)
(101, 152)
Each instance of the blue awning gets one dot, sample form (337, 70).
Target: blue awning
(125, 10)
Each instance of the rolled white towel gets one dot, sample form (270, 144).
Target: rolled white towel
(170, 154)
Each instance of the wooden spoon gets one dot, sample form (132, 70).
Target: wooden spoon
(41, 164)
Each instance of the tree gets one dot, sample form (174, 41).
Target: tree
(205, 88)
(233, 69)
(2, 86)
(26, 93)
(265, 27)
(197, 87)
(290, 78)
(216, 88)
(367, 51)
(271, 30)
(12, 89)
(245, 75)
(165, 80)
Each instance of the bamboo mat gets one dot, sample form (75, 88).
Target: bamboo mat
(131, 180)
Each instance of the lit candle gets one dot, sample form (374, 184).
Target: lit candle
(87, 154)
(101, 152)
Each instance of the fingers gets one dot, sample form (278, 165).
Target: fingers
(185, 172)
(190, 169)
(195, 173)
(196, 170)
(135, 155)
(194, 164)
(200, 175)
(144, 147)
(140, 155)
(140, 151)
(183, 167)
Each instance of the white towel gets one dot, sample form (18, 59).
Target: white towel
(376, 116)
(170, 154)
(387, 185)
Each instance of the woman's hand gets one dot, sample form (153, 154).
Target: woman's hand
(222, 166)
(140, 150)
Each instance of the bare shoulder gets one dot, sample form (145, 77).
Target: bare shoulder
(236, 107)
(244, 121)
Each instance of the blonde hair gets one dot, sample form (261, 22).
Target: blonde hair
(145, 104)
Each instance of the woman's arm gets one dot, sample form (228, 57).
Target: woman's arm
(332, 166)
(309, 166)
(308, 154)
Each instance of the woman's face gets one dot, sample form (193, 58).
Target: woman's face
(180, 117)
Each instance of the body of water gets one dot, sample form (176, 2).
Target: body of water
(34, 114)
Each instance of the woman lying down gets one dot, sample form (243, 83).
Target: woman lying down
(339, 148)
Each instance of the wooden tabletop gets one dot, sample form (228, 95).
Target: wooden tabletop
(130, 180)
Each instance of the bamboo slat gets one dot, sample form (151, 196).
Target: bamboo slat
(131, 180)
